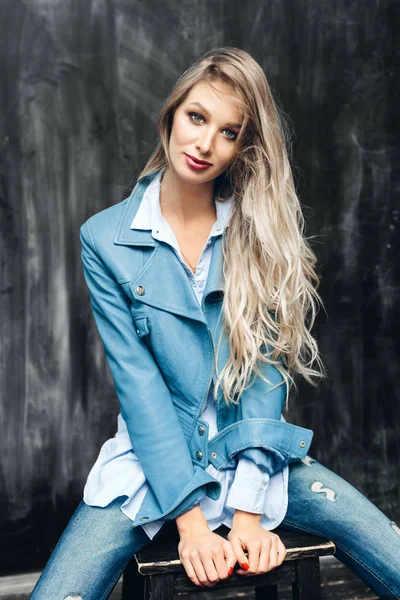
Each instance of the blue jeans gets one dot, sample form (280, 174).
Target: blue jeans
(98, 542)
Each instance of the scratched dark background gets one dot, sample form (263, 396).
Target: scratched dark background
(80, 84)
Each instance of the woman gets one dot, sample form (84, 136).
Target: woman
(204, 292)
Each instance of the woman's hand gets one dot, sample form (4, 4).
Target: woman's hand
(206, 556)
(265, 549)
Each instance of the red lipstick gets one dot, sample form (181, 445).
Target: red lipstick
(196, 163)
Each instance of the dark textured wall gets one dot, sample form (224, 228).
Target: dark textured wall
(80, 84)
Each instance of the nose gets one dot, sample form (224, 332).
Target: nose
(205, 142)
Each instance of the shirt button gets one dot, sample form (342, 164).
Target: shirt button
(214, 454)
(302, 443)
(138, 331)
(201, 429)
(140, 290)
(199, 455)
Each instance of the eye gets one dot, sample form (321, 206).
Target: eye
(194, 114)
(235, 135)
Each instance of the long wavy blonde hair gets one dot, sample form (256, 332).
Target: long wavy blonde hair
(270, 299)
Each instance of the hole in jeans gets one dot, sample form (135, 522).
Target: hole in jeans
(394, 526)
(73, 598)
(329, 494)
(307, 460)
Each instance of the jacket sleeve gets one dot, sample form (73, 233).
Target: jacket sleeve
(146, 405)
(265, 401)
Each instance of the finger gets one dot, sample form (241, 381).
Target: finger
(265, 555)
(239, 553)
(273, 554)
(199, 569)
(230, 557)
(209, 568)
(282, 551)
(190, 572)
(254, 549)
(218, 557)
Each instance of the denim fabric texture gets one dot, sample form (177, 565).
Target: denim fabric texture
(98, 542)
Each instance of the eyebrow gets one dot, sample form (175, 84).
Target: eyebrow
(233, 125)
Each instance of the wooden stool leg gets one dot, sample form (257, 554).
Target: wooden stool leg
(308, 584)
(266, 592)
(132, 582)
(159, 587)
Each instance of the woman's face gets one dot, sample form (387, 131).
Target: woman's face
(205, 126)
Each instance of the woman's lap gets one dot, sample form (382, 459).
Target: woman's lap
(99, 542)
(367, 541)
(91, 554)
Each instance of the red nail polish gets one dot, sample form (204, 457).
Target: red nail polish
(245, 566)
(230, 571)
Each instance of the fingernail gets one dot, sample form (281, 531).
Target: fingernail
(230, 571)
(245, 566)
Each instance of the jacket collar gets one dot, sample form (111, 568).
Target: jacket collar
(163, 278)
(149, 214)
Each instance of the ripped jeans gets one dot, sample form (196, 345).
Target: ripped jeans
(98, 542)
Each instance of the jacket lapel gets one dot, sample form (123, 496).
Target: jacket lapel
(162, 281)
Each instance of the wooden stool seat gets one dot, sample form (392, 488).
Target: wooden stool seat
(156, 573)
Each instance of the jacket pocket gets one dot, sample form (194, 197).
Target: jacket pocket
(142, 327)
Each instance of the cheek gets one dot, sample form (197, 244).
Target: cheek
(227, 155)
(181, 131)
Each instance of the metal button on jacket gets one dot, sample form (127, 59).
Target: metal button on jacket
(201, 429)
(302, 443)
(199, 455)
(140, 290)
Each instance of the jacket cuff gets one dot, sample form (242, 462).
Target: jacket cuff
(268, 443)
(201, 484)
(267, 461)
(192, 500)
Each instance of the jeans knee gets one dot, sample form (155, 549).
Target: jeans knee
(319, 488)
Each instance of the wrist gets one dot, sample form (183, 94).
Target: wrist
(242, 515)
(192, 518)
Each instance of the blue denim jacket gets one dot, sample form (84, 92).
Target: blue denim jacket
(160, 345)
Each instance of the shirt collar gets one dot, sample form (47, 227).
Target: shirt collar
(149, 213)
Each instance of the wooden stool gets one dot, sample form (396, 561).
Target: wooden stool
(156, 573)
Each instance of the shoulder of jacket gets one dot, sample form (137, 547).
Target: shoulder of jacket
(102, 226)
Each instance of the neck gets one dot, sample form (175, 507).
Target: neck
(185, 201)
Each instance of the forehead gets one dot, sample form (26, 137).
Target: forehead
(217, 96)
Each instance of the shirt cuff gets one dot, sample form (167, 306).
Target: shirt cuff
(248, 488)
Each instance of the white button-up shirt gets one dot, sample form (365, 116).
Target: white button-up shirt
(117, 471)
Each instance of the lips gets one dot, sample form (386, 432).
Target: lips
(197, 160)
